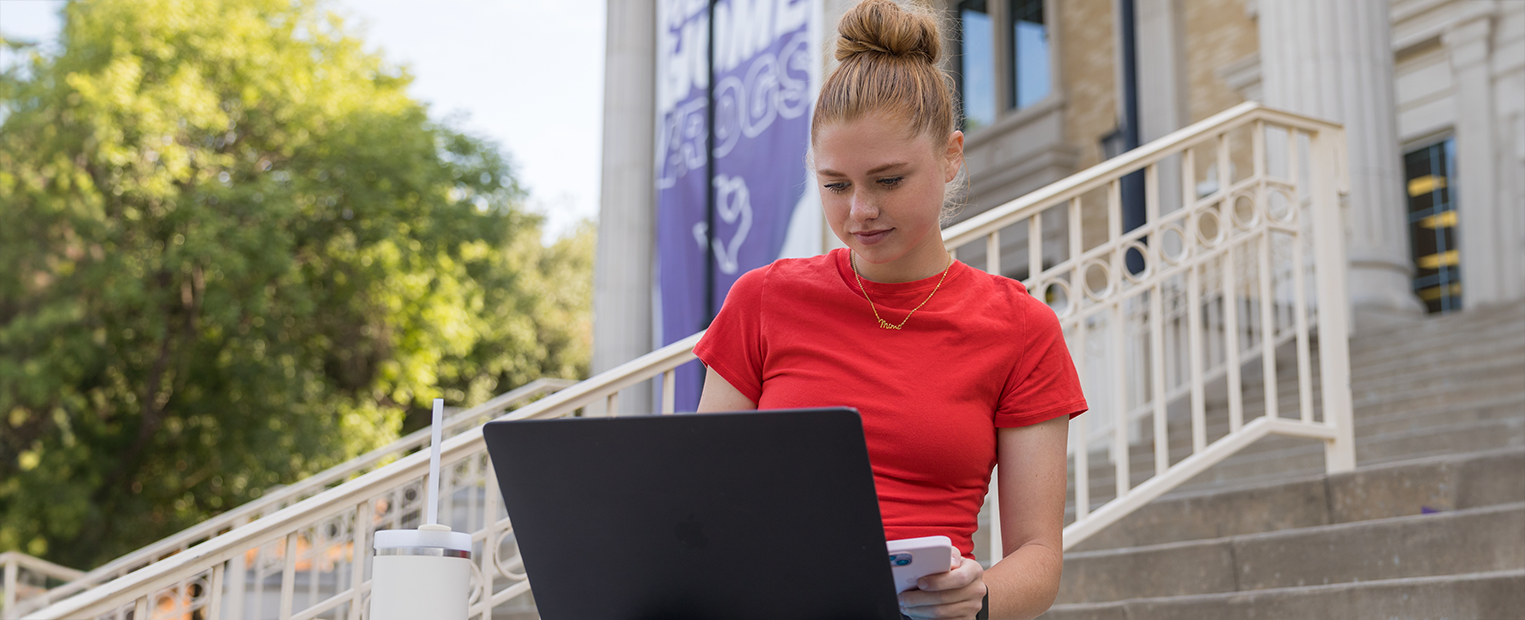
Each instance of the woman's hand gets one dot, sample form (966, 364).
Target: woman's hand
(958, 593)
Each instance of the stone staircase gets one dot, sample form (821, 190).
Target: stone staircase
(1430, 525)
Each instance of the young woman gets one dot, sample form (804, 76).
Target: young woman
(953, 370)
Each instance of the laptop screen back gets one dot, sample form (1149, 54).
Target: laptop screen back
(755, 515)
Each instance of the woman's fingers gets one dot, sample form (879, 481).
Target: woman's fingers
(955, 594)
(962, 603)
(968, 571)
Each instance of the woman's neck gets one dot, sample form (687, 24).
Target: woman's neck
(925, 261)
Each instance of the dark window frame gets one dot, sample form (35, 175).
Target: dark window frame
(958, 61)
(1433, 208)
(1016, 10)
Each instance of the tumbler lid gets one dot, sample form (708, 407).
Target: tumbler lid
(431, 536)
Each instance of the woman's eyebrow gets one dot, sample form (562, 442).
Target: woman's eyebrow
(875, 170)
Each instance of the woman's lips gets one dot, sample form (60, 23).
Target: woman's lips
(871, 237)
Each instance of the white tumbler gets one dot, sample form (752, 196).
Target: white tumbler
(421, 574)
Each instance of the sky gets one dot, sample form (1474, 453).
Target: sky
(527, 74)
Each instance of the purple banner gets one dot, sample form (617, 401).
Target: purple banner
(766, 72)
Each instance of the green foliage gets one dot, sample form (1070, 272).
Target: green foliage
(233, 252)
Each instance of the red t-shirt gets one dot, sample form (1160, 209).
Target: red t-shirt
(981, 355)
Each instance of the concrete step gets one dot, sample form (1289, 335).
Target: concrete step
(1368, 423)
(1496, 313)
(1493, 342)
(1490, 385)
(1471, 320)
(1458, 389)
(1397, 420)
(1457, 438)
(1428, 341)
(1431, 332)
(1502, 347)
(1406, 488)
(1369, 428)
(1293, 457)
(1282, 458)
(1498, 595)
(1508, 365)
(1465, 541)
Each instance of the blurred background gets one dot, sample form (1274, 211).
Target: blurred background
(243, 244)
(244, 241)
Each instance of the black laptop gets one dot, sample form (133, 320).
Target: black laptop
(725, 516)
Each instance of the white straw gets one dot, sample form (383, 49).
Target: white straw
(439, 413)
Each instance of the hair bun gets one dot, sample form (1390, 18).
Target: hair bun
(884, 27)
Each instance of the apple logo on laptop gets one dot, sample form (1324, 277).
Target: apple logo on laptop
(691, 533)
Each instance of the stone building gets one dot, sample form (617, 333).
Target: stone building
(1432, 94)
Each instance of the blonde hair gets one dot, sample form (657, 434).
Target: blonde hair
(889, 58)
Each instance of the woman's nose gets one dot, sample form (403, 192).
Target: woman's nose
(863, 208)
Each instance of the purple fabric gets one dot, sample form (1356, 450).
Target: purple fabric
(763, 98)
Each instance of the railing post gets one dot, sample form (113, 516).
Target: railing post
(288, 576)
(1078, 424)
(360, 547)
(489, 561)
(214, 597)
(997, 548)
(10, 586)
(1333, 305)
(237, 578)
(1122, 476)
(669, 391)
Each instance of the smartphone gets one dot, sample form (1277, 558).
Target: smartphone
(914, 558)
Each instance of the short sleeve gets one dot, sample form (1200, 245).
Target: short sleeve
(733, 345)
(1043, 383)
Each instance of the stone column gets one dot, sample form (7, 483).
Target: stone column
(622, 275)
(1479, 210)
(1160, 36)
(1334, 60)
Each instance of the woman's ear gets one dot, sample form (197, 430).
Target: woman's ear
(953, 157)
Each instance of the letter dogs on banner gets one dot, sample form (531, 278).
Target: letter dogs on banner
(767, 74)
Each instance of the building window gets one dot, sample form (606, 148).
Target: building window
(976, 75)
(1029, 53)
(1432, 226)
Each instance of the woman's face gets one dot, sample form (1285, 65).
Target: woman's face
(883, 193)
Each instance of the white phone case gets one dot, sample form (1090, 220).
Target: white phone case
(914, 558)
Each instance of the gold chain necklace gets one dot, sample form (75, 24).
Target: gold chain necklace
(883, 324)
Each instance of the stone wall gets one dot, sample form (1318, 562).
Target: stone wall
(1088, 74)
(1218, 33)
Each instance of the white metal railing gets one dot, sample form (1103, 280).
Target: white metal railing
(38, 572)
(310, 560)
(1223, 279)
(19, 602)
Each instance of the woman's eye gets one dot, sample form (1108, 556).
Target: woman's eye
(891, 182)
(836, 187)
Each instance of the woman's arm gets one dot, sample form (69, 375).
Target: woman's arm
(1023, 584)
(720, 395)
(1032, 493)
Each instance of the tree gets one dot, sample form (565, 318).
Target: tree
(233, 251)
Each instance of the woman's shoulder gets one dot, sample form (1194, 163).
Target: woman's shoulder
(784, 278)
(808, 267)
(1008, 297)
(790, 273)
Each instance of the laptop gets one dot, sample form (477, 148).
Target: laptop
(735, 516)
